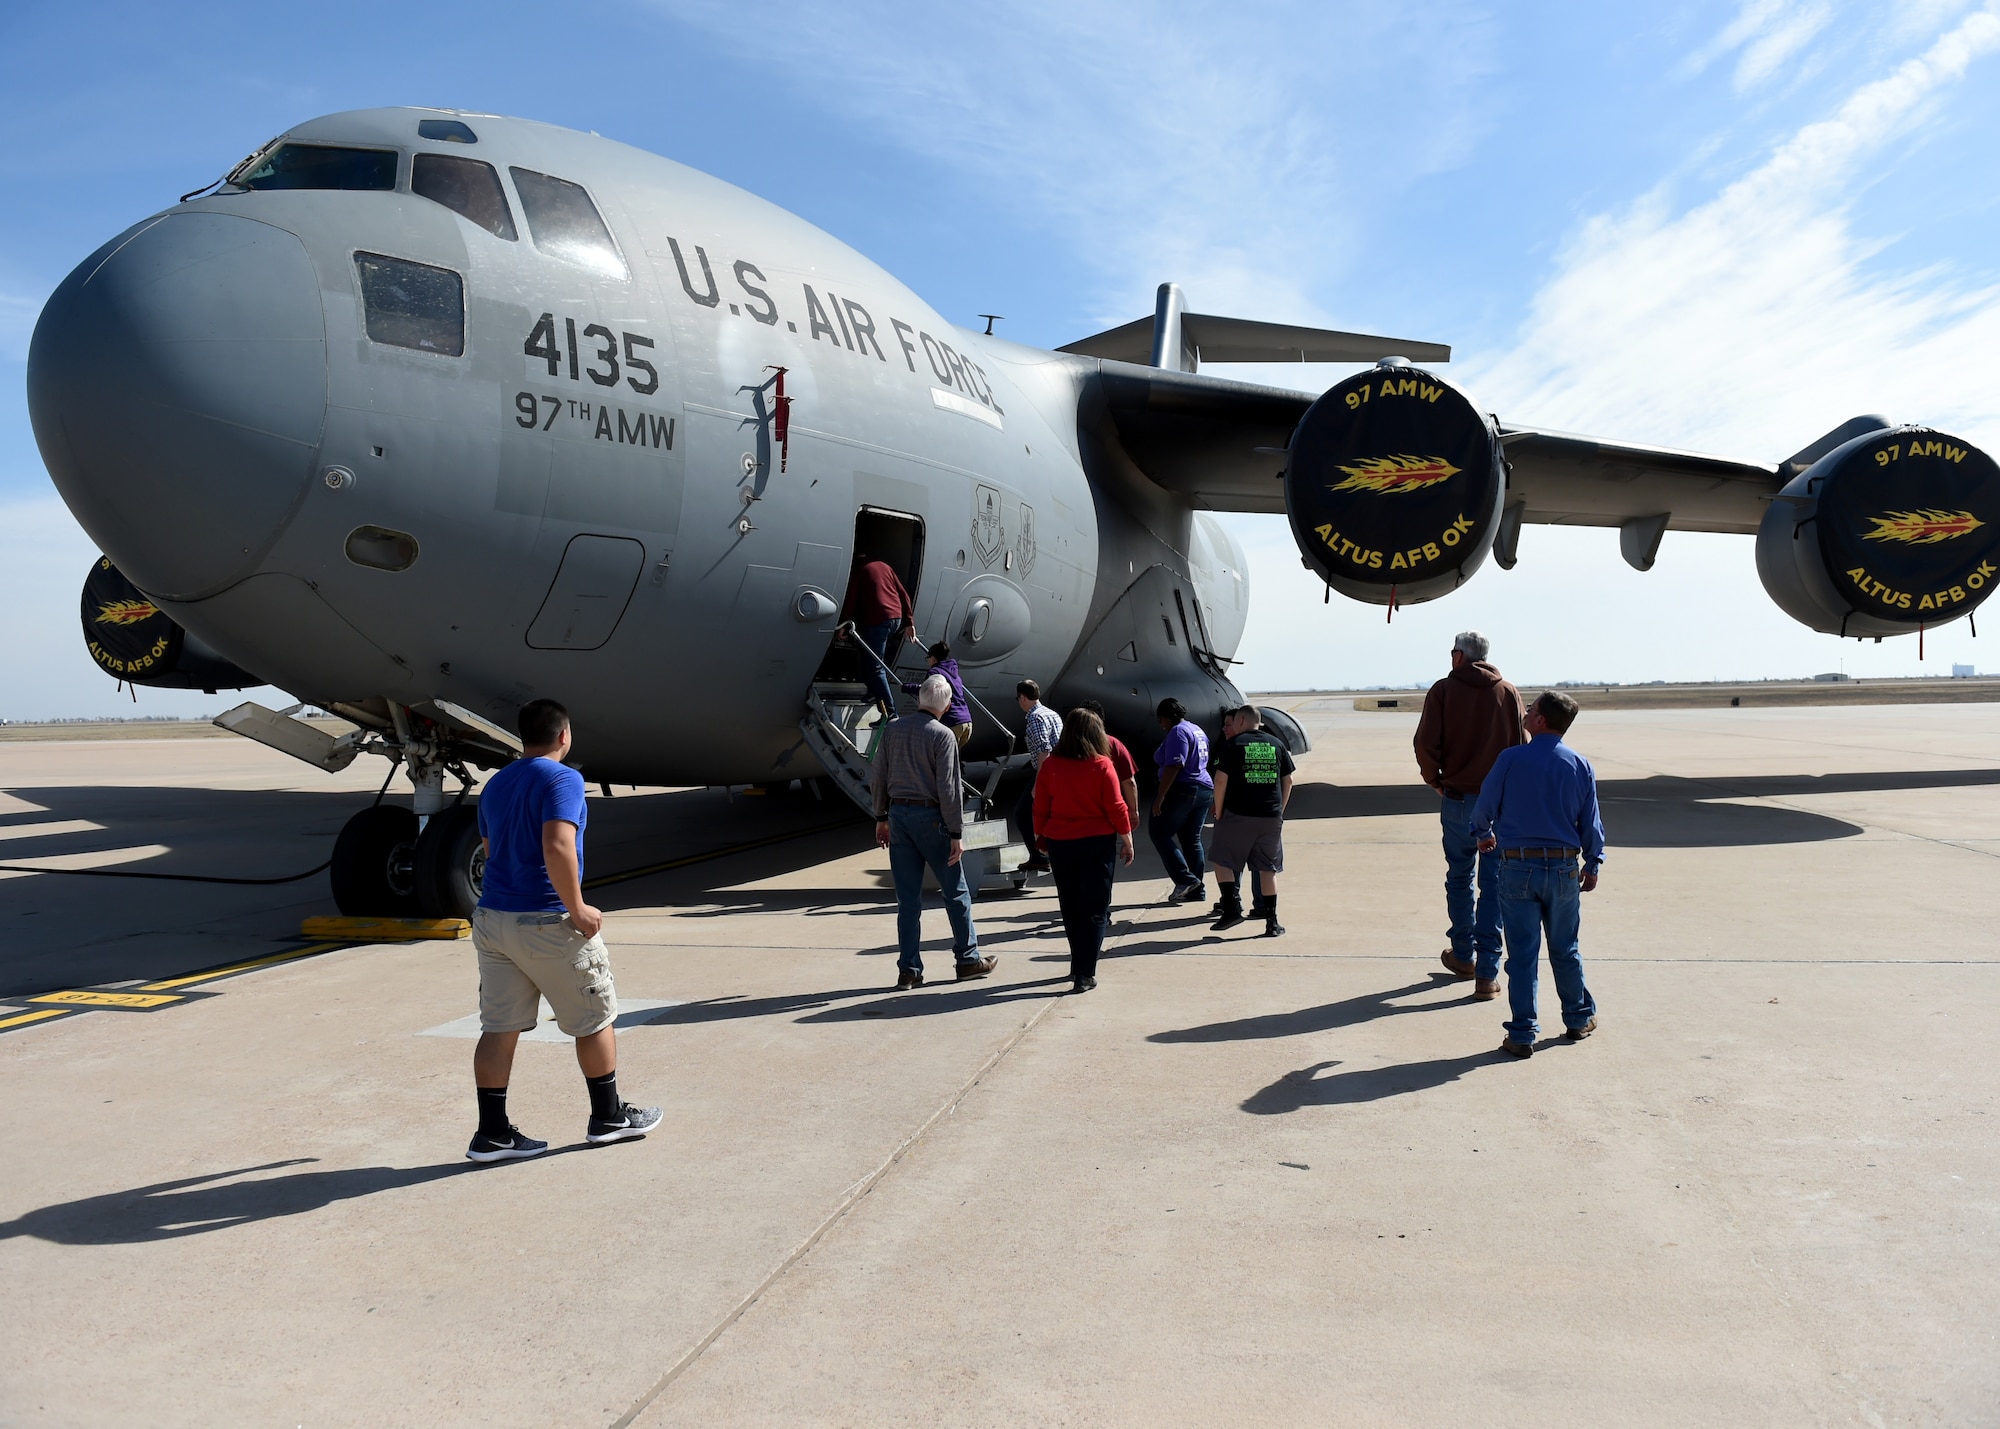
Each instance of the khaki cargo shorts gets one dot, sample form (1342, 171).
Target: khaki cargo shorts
(1239, 840)
(524, 957)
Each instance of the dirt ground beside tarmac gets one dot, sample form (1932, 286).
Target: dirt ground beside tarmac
(1244, 1181)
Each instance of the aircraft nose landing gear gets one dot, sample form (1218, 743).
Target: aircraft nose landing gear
(427, 861)
(375, 864)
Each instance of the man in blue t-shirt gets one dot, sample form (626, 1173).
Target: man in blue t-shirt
(1538, 808)
(537, 938)
(1181, 803)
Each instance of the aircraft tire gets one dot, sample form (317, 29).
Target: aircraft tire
(374, 864)
(451, 864)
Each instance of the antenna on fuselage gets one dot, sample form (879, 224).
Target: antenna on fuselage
(992, 318)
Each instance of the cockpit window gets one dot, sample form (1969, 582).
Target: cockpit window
(320, 166)
(412, 304)
(465, 186)
(449, 131)
(565, 223)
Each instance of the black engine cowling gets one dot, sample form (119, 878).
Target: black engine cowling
(1895, 530)
(133, 639)
(1393, 485)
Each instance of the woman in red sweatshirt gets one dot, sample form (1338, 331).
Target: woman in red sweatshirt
(1083, 825)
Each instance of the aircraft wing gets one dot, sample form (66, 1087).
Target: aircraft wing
(1570, 480)
(1221, 445)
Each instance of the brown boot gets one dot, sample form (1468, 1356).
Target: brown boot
(1454, 964)
(1486, 989)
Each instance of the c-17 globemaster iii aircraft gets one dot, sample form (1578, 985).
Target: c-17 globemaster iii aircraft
(420, 414)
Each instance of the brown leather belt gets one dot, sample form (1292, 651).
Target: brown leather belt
(1540, 852)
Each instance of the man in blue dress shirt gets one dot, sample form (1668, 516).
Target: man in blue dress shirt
(1538, 807)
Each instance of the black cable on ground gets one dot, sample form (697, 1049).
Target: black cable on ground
(165, 877)
(609, 878)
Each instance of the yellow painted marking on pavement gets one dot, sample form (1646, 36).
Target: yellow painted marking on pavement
(386, 930)
(84, 997)
(26, 1017)
(167, 983)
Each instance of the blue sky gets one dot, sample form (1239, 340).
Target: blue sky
(1721, 225)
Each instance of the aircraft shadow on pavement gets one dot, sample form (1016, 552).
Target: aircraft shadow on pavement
(845, 1004)
(1348, 1012)
(1668, 812)
(1306, 1087)
(196, 1205)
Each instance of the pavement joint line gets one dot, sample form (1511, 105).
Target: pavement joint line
(848, 1201)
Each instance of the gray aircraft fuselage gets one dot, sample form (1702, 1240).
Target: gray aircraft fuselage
(591, 489)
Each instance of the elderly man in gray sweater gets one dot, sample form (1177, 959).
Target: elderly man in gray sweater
(920, 819)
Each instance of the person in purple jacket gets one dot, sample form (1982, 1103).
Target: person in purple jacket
(958, 718)
(1181, 801)
(1538, 807)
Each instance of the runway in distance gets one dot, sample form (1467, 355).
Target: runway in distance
(421, 414)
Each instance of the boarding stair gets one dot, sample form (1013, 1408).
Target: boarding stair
(843, 728)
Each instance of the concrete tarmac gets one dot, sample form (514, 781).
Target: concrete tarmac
(1246, 1180)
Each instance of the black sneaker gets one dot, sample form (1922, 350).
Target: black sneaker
(511, 1147)
(1188, 893)
(1273, 928)
(632, 1123)
(1229, 919)
(1083, 984)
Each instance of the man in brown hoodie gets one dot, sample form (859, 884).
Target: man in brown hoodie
(1469, 717)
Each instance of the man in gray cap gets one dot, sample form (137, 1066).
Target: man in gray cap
(920, 819)
(1469, 717)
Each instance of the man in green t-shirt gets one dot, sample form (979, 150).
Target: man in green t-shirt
(1253, 782)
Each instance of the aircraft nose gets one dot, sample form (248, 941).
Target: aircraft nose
(177, 384)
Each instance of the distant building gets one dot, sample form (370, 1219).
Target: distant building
(1961, 672)
(1831, 677)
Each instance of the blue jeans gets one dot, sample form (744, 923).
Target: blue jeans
(1475, 922)
(917, 841)
(1538, 894)
(1176, 831)
(877, 638)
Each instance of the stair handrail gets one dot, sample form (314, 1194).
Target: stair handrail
(847, 631)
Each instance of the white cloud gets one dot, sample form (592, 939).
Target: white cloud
(1166, 143)
(1764, 35)
(44, 557)
(17, 322)
(1757, 320)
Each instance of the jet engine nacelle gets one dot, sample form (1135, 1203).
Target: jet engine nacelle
(132, 638)
(1393, 484)
(1895, 530)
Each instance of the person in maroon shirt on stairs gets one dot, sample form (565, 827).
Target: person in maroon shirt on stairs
(881, 611)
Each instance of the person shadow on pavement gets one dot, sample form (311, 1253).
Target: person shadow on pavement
(1346, 1013)
(1306, 1087)
(196, 1205)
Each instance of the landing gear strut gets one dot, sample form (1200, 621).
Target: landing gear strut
(428, 861)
